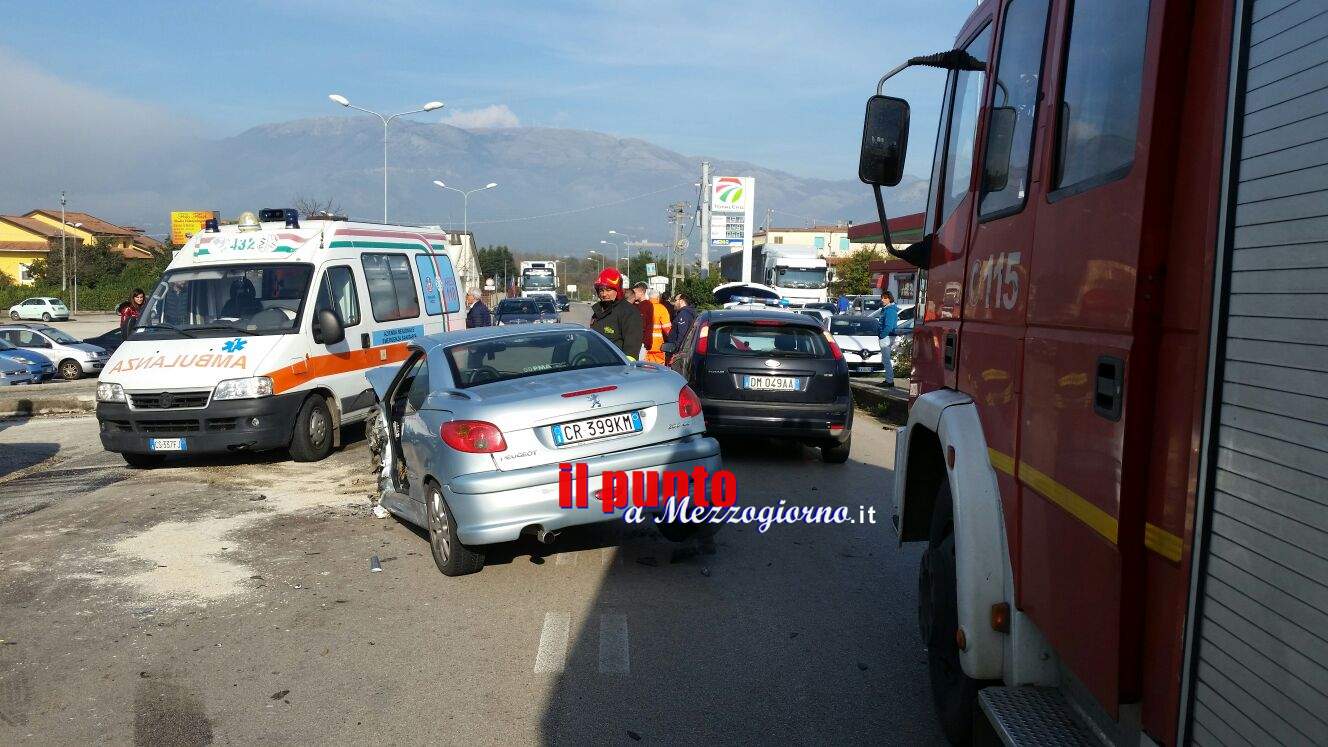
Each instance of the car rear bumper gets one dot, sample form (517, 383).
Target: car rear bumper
(780, 419)
(218, 427)
(494, 507)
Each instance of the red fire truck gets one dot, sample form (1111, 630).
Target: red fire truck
(1117, 450)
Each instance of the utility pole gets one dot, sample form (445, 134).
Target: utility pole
(676, 212)
(705, 219)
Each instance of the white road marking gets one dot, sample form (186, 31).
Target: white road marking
(551, 658)
(613, 645)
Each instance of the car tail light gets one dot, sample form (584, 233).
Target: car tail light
(703, 339)
(689, 405)
(834, 347)
(596, 390)
(768, 323)
(473, 436)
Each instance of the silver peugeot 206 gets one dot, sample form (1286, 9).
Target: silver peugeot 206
(479, 422)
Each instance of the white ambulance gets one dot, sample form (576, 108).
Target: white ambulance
(259, 336)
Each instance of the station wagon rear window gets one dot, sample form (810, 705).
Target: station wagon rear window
(759, 339)
(519, 356)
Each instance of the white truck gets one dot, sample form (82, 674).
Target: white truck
(539, 279)
(794, 271)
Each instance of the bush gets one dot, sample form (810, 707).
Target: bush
(903, 358)
(700, 290)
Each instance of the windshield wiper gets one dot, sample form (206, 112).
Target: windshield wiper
(236, 330)
(163, 325)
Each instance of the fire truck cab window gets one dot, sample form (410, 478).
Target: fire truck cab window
(1009, 150)
(1099, 107)
(963, 126)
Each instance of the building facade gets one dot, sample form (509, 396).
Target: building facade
(24, 241)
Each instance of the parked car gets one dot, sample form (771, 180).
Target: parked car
(864, 304)
(563, 303)
(822, 305)
(479, 421)
(109, 340)
(524, 311)
(769, 373)
(72, 357)
(822, 316)
(18, 366)
(45, 308)
(858, 335)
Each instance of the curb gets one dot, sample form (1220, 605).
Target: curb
(51, 404)
(890, 405)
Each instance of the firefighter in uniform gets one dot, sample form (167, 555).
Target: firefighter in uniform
(613, 316)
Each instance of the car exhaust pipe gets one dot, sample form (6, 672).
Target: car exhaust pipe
(545, 536)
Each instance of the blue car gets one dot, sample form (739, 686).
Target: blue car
(19, 366)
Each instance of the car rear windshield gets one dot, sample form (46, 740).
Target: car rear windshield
(519, 356)
(518, 306)
(774, 339)
(843, 326)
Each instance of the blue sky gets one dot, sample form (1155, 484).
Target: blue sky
(779, 84)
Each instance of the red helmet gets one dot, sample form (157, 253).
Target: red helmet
(609, 277)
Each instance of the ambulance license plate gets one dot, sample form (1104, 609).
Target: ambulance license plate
(166, 444)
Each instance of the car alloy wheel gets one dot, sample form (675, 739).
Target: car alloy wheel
(440, 535)
(70, 370)
(46, 316)
(13, 315)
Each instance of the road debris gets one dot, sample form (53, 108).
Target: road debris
(374, 565)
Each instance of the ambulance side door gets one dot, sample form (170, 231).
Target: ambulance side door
(337, 365)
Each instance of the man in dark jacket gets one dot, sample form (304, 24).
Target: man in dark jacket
(613, 316)
(683, 316)
(477, 314)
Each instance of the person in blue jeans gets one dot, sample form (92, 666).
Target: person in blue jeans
(889, 330)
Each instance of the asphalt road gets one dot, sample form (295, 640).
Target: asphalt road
(230, 600)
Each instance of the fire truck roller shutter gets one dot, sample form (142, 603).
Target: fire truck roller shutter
(1258, 642)
(937, 422)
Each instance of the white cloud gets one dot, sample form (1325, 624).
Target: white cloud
(487, 117)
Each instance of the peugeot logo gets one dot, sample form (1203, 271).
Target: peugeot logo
(167, 399)
(594, 401)
(771, 363)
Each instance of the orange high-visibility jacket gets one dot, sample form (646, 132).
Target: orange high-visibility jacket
(658, 332)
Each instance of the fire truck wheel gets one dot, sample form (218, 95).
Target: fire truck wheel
(953, 692)
(311, 440)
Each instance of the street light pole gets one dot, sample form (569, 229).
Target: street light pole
(465, 200)
(617, 258)
(432, 105)
(64, 256)
(601, 259)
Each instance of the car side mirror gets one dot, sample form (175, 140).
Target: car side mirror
(884, 141)
(327, 328)
(1000, 144)
(669, 348)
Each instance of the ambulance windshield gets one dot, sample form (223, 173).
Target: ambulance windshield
(262, 299)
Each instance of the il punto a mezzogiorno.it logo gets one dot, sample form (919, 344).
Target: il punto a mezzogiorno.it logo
(643, 490)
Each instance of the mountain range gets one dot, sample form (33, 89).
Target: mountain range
(582, 183)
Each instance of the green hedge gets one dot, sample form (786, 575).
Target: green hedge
(105, 296)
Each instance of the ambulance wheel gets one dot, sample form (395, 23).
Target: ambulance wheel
(451, 557)
(312, 439)
(954, 693)
(142, 461)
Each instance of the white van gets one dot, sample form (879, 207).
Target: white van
(259, 336)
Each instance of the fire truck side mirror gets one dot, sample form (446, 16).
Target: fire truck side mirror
(884, 141)
(1000, 143)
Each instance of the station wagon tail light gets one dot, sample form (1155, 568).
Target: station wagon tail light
(473, 436)
(689, 405)
(703, 339)
(834, 347)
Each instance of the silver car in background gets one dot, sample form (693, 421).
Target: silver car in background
(478, 422)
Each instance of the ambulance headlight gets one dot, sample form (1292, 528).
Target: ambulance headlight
(110, 393)
(250, 388)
